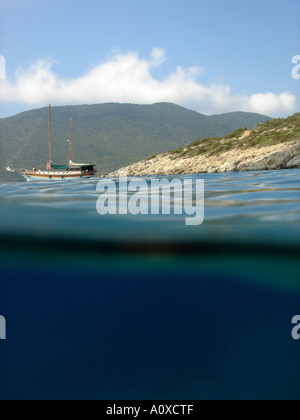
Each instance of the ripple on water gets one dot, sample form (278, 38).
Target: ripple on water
(251, 206)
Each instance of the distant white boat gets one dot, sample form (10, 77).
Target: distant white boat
(58, 172)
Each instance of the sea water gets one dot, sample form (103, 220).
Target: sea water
(145, 307)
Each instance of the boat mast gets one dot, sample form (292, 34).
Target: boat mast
(70, 145)
(50, 159)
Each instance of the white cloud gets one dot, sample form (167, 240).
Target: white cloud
(158, 56)
(127, 78)
(275, 104)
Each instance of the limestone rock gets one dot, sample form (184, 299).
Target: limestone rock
(281, 156)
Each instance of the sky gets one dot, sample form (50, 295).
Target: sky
(212, 56)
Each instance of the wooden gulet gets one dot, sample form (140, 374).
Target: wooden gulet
(59, 172)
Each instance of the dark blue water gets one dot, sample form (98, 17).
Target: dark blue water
(124, 307)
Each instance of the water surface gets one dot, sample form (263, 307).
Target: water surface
(123, 307)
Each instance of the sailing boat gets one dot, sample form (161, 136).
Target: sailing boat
(59, 172)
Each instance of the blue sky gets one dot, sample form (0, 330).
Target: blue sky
(212, 56)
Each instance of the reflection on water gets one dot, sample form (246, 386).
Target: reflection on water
(123, 307)
(240, 207)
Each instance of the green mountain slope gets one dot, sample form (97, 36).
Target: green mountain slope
(269, 133)
(113, 135)
(272, 145)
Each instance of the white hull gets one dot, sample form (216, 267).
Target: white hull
(54, 177)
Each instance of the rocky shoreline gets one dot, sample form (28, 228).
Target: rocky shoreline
(276, 157)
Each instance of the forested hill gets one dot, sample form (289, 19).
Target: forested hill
(113, 135)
